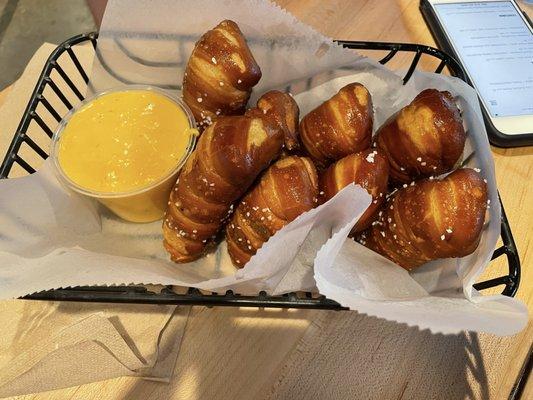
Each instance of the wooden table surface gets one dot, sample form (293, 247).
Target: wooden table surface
(293, 354)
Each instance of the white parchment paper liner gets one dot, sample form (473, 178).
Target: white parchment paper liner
(51, 238)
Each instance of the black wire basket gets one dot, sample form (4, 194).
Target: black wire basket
(48, 83)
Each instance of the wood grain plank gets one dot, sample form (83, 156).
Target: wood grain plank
(4, 93)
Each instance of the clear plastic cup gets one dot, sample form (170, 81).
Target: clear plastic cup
(145, 204)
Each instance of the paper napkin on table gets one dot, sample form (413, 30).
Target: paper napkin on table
(52, 345)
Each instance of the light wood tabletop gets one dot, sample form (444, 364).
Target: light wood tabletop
(230, 353)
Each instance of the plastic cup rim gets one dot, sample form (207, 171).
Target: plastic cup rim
(62, 176)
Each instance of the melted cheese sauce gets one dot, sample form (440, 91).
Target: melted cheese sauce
(123, 141)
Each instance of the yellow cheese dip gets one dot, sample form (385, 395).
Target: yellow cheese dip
(125, 148)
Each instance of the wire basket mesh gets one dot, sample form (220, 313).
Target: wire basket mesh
(57, 92)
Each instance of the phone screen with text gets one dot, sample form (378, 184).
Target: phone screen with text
(496, 48)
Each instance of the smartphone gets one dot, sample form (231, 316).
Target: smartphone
(493, 41)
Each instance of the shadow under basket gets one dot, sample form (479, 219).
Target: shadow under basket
(53, 76)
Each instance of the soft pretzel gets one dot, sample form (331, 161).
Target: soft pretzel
(431, 219)
(340, 126)
(425, 138)
(229, 155)
(367, 168)
(220, 74)
(281, 109)
(286, 190)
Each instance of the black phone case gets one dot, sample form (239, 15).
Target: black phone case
(496, 137)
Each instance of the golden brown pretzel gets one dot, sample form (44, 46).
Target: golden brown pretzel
(425, 138)
(340, 126)
(281, 109)
(230, 154)
(220, 74)
(367, 168)
(286, 190)
(431, 219)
